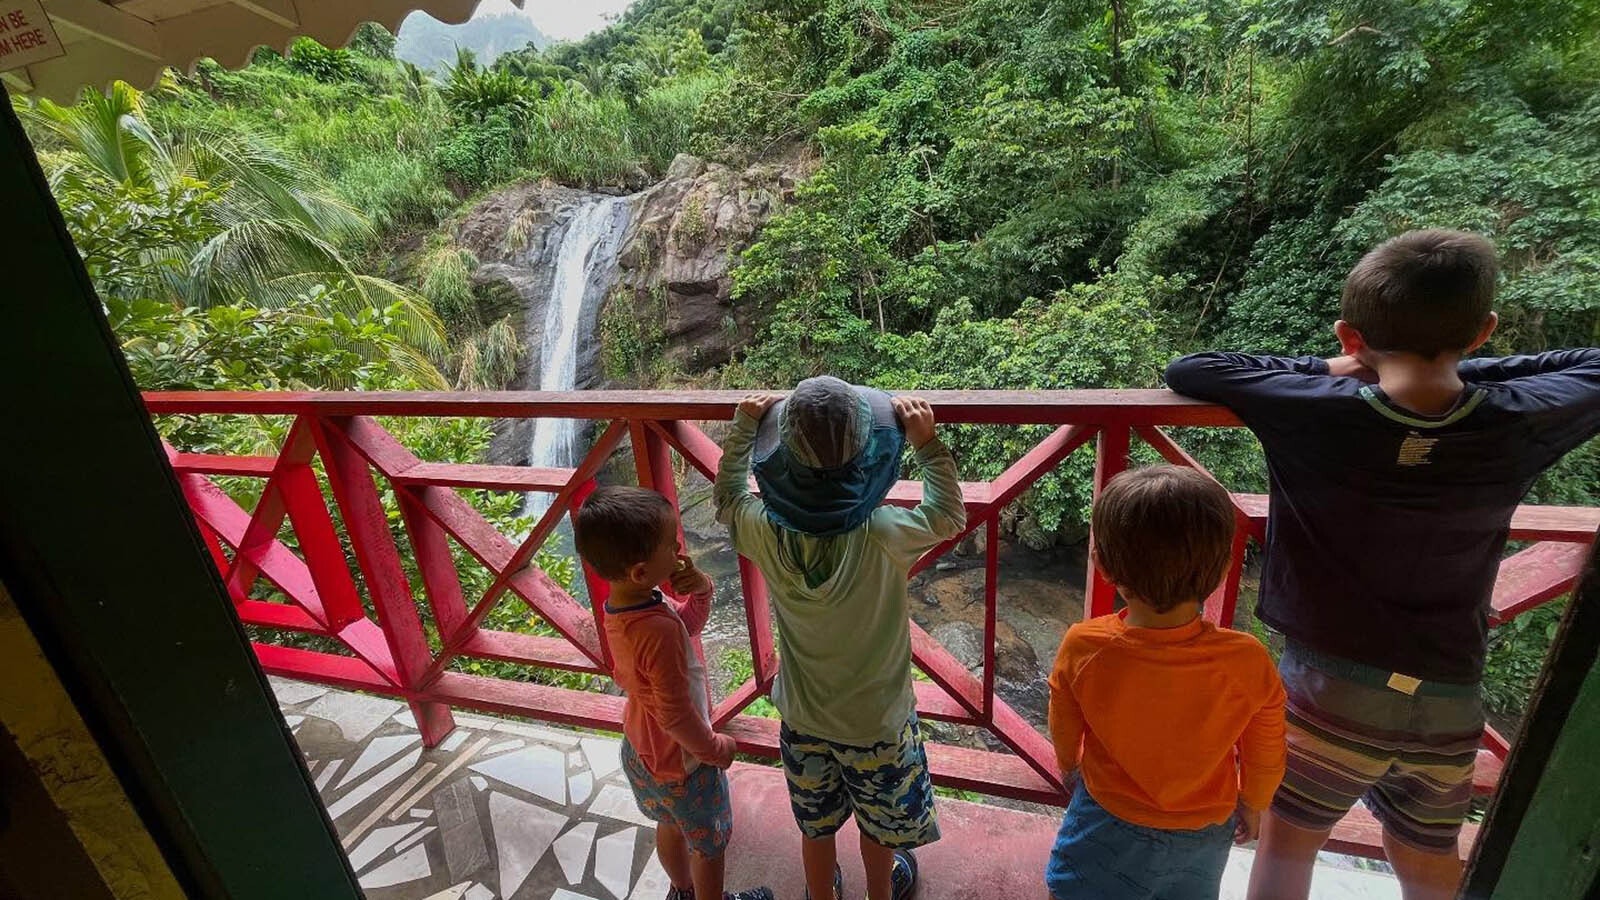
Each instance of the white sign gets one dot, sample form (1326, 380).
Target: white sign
(26, 35)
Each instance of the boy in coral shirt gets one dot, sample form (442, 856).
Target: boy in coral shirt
(1175, 726)
(673, 758)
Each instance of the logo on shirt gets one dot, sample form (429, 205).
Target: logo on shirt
(1414, 450)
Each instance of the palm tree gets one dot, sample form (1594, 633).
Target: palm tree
(272, 231)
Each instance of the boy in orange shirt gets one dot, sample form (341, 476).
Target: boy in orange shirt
(1175, 726)
(673, 758)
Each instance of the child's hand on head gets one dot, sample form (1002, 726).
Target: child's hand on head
(687, 580)
(1351, 367)
(916, 417)
(756, 405)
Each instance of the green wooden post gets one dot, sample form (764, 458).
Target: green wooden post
(1542, 836)
(100, 554)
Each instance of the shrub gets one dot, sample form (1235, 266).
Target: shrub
(325, 64)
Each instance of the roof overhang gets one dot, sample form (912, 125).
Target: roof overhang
(135, 40)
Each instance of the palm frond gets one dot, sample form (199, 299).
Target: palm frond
(108, 130)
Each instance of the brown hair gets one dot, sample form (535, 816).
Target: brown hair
(1424, 292)
(619, 527)
(1163, 534)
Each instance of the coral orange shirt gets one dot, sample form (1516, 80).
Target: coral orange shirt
(668, 716)
(1171, 727)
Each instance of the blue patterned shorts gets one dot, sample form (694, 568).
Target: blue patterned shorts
(1098, 856)
(886, 785)
(699, 806)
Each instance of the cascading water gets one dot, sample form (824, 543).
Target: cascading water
(584, 268)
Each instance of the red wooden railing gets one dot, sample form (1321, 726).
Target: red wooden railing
(390, 653)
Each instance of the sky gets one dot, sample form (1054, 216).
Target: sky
(565, 20)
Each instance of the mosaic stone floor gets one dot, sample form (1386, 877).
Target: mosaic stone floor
(504, 810)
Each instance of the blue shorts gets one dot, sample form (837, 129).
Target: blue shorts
(699, 806)
(886, 786)
(1098, 856)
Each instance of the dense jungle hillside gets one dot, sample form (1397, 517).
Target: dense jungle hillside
(914, 194)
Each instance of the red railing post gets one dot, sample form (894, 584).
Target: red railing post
(991, 602)
(1111, 458)
(367, 525)
(599, 588)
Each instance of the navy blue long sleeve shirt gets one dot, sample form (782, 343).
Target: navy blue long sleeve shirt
(1386, 528)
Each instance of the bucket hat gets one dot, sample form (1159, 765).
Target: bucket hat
(827, 455)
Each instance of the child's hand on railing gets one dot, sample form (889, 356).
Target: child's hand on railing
(688, 581)
(756, 405)
(916, 417)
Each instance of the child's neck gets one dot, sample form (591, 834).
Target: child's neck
(627, 595)
(1142, 616)
(1430, 387)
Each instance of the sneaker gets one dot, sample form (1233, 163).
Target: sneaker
(758, 893)
(838, 885)
(903, 877)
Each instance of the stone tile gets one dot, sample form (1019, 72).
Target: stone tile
(480, 782)
(293, 721)
(572, 851)
(453, 743)
(503, 747)
(564, 894)
(289, 692)
(404, 717)
(653, 881)
(566, 740)
(575, 760)
(522, 833)
(478, 892)
(579, 787)
(450, 893)
(465, 848)
(420, 813)
(326, 777)
(357, 715)
(416, 838)
(617, 803)
(605, 755)
(473, 720)
(379, 750)
(409, 866)
(376, 783)
(613, 861)
(379, 840)
(537, 770)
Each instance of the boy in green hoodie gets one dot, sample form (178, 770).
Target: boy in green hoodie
(836, 563)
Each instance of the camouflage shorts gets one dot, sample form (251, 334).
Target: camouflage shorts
(886, 785)
(699, 806)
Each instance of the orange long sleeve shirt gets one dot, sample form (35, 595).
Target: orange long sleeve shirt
(1171, 727)
(668, 715)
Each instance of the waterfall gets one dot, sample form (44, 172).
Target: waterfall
(584, 267)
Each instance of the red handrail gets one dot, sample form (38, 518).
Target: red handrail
(390, 653)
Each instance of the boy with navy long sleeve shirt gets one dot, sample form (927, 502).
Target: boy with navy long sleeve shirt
(1395, 470)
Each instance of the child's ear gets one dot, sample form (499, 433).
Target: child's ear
(638, 573)
(1483, 334)
(1351, 343)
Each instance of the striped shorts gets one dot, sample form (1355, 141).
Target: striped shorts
(1409, 757)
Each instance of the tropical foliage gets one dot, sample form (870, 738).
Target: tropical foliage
(1008, 193)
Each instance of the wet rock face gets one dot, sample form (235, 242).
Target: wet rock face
(667, 308)
(674, 275)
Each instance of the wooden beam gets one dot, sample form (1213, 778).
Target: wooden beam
(1540, 834)
(279, 12)
(108, 25)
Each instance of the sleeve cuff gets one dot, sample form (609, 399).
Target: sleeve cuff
(743, 420)
(932, 450)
